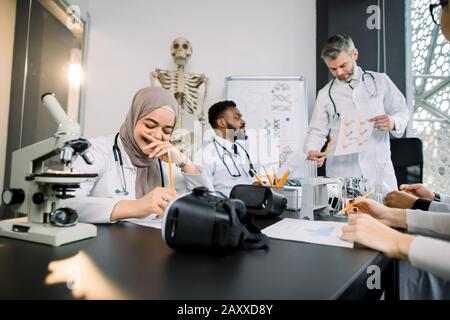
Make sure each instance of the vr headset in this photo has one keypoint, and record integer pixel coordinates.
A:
(260, 200)
(204, 219)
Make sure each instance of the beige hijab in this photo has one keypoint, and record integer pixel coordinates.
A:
(145, 101)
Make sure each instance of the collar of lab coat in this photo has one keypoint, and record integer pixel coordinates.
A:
(227, 144)
(356, 77)
(125, 158)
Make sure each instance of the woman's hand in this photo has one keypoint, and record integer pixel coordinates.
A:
(371, 233)
(153, 202)
(418, 190)
(400, 199)
(387, 216)
(159, 149)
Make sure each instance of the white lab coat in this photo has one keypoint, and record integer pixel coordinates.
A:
(210, 158)
(389, 100)
(94, 201)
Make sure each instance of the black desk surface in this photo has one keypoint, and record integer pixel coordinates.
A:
(137, 261)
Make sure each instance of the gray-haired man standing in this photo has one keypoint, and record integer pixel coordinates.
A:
(355, 90)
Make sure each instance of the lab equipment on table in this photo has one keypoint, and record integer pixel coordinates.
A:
(346, 188)
(315, 200)
(35, 190)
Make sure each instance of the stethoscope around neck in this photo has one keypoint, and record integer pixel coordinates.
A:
(230, 154)
(372, 93)
(119, 161)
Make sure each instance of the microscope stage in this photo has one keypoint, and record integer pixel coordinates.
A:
(64, 178)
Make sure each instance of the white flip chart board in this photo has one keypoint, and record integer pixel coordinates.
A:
(276, 112)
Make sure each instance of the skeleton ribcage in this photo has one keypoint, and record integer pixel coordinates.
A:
(188, 96)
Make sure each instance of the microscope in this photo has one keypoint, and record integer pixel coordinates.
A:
(35, 190)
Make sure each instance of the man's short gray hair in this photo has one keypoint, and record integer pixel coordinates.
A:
(335, 45)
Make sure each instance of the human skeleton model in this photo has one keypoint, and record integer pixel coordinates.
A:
(185, 86)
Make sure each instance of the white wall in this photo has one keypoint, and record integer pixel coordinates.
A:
(7, 24)
(129, 39)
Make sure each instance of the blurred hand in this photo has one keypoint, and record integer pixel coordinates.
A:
(383, 123)
(83, 278)
(418, 190)
(400, 199)
(371, 233)
(155, 202)
(317, 156)
(387, 216)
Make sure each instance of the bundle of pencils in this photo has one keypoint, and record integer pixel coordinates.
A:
(274, 182)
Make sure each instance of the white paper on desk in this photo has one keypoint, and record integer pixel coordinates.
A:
(354, 132)
(318, 232)
(147, 222)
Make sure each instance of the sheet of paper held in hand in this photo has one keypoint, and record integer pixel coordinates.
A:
(355, 130)
(318, 232)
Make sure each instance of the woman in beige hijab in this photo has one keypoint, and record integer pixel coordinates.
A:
(133, 174)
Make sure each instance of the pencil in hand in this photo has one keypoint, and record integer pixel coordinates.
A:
(169, 161)
(329, 144)
(351, 205)
(406, 190)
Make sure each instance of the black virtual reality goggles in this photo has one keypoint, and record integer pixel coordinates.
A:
(204, 219)
(260, 200)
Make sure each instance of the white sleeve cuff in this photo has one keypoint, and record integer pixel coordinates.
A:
(398, 130)
(435, 224)
(198, 180)
(92, 209)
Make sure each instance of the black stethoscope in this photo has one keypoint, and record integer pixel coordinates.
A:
(118, 159)
(230, 155)
(372, 93)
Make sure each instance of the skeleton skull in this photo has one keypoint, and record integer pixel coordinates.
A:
(181, 50)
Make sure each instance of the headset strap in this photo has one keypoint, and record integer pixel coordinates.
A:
(251, 240)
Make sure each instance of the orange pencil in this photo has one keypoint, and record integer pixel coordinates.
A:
(275, 180)
(351, 205)
(284, 178)
(169, 161)
(268, 176)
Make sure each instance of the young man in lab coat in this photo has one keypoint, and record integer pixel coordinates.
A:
(224, 157)
(354, 89)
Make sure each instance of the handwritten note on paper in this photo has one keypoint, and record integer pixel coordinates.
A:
(318, 232)
(354, 133)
